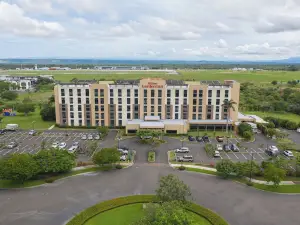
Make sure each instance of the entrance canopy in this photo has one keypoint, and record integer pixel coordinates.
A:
(145, 124)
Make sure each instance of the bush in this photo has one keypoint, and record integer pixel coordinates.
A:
(50, 180)
(244, 127)
(225, 167)
(118, 166)
(247, 135)
(181, 167)
(151, 156)
(249, 183)
(210, 149)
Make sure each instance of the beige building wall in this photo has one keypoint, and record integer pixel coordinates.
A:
(197, 87)
(235, 96)
(57, 105)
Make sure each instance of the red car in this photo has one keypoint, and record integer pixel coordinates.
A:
(220, 138)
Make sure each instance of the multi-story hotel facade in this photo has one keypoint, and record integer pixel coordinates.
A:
(173, 106)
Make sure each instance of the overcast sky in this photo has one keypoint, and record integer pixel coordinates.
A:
(150, 29)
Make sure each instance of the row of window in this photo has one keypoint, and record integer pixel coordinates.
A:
(71, 100)
(177, 93)
(78, 92)
(136, 92)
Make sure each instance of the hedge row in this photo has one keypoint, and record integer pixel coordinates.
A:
(88, 213)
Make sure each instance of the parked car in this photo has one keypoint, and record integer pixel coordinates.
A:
(182, 150)
(146, 137)
(62, 145)
(205, 139)
(55, 145)
(75, 144)
(288, 153)
(217, 154)
(90, 137)
(2, 131)
(123, 158)
(226, 147)
(234, 148)
(12, 127)
(298, 130)
(123, 151)
(220, 138)
(83, 137)
(219, 147)
(185, 158)
(73, 149)
(12, 145)
(191, 138)
(272, 150)
(97, 137)
(199, 139)
(32, 132)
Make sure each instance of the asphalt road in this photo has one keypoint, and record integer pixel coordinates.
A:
(56, 203)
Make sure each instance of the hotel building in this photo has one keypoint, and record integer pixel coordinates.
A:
(173, 106)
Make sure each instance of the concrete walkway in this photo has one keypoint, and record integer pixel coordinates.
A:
(253, 180)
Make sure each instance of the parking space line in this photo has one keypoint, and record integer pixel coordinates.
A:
(227, 155)
(235, 155)
(243, 155)
(250, 154)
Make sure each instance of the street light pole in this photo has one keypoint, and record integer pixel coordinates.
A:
(251, 167)
(33, 122)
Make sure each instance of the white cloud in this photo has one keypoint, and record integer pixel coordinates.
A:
(221, 43)
(13, 20)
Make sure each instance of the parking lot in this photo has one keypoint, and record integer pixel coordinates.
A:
(32, 144)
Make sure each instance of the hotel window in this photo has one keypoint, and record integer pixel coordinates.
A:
(176, 108)
(176, 101)
(136, 101)
(63, 107)
(159, 93)
(218, 93)
(96, 92)
(120, 108)
(96, 115)
(101, 92)
(194, 101)
(72, 115)
(209, 101)
(120, 115)
(128, 108)
(152, 108)
(102, 115)
(159, 114)
(209, 109)
(200, 93)
(96, 101)
(87, 108)
(63, 101)
(79, 108)
(168, 101)
(87, 92)
(217, 101)
(80, 115)
(80, 123)
(71, 108)
(128, 116)
(217, 108)
(168, 93)
(111, 92)
(136, 108)
(152, 101)
(209, 93)
(64, 114)
(194, 93)
(101, 100)
(152, 93)
(185, 93)
(87, 101)
(199, 116)
(200, 101)
(78, 92)
(65, 122)
(217, 116)
(96, 108)
(136, 93)
(159, 109)
(128, 101)
(152, 114)
(102, 108)
(111, 101)
(120, 101)
(145, 93)
(72, 123)
(225, 109)
(145, 101)
(70, 92)
(119, 92)
(176, 116)
(194, 117)
(176, 93)
(62, 92)
(79, 100)
(128, 92)
(159, 101)
(208, 116)
(120, 123)
(102, 123)
(185, 101)
(97, 122)
(200, 109)
(88, 123)
(136, 115)
(194, 108)
(145, 108)
(226, 93)
(112, 123)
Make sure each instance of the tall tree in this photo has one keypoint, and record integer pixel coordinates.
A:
(172, 189)
(106, 156)
(274, 174)
(228, 105)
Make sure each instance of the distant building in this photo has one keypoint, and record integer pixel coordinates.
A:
(23, 82)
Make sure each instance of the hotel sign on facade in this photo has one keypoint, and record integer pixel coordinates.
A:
(152, 85)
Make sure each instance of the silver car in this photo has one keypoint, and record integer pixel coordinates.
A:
(90, 137)
(12, 145)
(83, 137)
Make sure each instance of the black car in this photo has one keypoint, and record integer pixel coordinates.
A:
(226, 147)
(234, 148)
(205, 139)
(124, 148)
(2, 131)
(191, 138)
(199, 139)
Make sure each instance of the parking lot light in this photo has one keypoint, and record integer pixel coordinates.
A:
(119, 139)
(33, 122)
(251, 166)
(182, 140)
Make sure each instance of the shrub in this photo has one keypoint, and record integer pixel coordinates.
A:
(118, 166)
(151, 156)
(225, 167)
(249, 183)
(243, 127)
(50, 180)
(247, 135)
(210, 149)
(181, 167)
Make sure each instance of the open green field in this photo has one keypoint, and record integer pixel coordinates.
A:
(281, 115)
(128, 214)
(251, 76)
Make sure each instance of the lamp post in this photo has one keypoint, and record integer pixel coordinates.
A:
(33, 122)
(119, 139)
(251, 167)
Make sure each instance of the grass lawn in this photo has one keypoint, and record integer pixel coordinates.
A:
(201, 171)
(36, 96)
(151, 156)
(128, 214)
(25, 122)
(31, 183)
(288, 116)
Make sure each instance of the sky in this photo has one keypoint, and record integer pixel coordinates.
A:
(150, 29)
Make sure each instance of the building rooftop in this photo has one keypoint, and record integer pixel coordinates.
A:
(176, 82)
(127, 82)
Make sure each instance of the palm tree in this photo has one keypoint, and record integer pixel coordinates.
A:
(228, 105)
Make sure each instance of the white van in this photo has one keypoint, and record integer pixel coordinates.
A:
(298, 130)
(12, 127)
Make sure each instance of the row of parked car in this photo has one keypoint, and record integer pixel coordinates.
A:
(199, 139)
(63, 145)
(90, 137)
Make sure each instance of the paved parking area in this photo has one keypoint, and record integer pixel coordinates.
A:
(32, 144)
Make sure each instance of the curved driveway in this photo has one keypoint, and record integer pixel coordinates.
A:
(56, 203)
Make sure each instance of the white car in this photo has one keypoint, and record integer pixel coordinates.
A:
(12, 145)
(73, 149)
(75, 144)
(217, 154)
(182, 150)
(31, 132)
(55, 145)
(288, 153)
(273, 148)
(123, 151)
(62, 145)
(90, 137)
(219, 147)
(96, 137)
(83, 137)
(298, 130)
(123, 158)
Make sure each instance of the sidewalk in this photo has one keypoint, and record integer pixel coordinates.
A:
(253, 180)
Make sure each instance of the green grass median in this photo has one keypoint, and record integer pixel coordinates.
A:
(151, 156)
